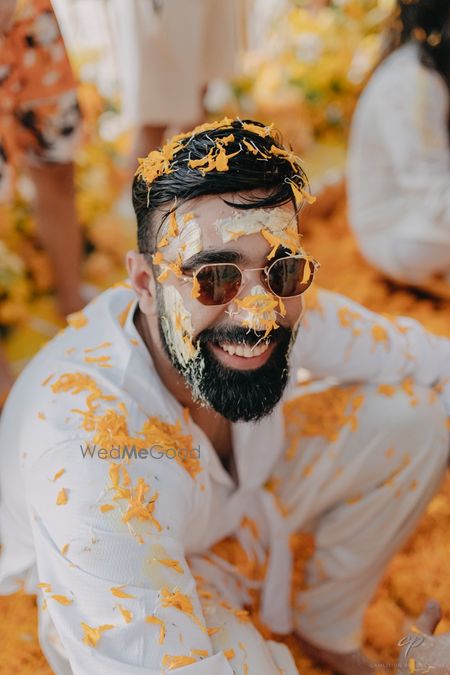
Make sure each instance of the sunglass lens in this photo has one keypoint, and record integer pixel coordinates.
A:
(218, 284)
(291, 276)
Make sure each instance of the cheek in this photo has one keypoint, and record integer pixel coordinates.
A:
(204, 316)
(178, 301)
(176, 321)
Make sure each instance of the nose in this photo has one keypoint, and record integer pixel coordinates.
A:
(256, 310)
(250, 279)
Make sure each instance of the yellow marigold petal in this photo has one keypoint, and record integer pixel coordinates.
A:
(251, 148)
(103, 345)
(158, 622)
(62, 599)
(119, 593)
(126, 480)
(64, 549)
(164, 241)
(124, 314)
(104, 508)
(173, 225)
(45, 586)
(41, 416)
(174, 564)
(77, 320)
(213, 631)
(200, 652)
(298, 196)
(174, 662)
(354, 500)
(61, 497)
(242, 615)
(58, 474)
(221, 160)
(92, 635)
(180, 601)
(163, 276)
(408, 386)
(101, 360)
(200, 163)
(260, 131)
(273, 240)
(158, 258)
(379, 333)
(229, 654)
(126, 614)
(195, 288)
(386, 389)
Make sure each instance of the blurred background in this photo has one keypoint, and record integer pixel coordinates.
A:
(68, 150)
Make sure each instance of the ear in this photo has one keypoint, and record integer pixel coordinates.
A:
(143, 281)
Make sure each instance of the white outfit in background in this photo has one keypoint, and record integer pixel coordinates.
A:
(168, 55)
(399, 169)
(359, 490)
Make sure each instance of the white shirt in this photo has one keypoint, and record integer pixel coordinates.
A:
(399, 154)
(90, 543)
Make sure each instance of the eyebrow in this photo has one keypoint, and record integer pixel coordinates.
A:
(212, 256)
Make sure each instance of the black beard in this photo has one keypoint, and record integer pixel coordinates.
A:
(237, 395)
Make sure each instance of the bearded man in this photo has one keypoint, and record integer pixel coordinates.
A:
(168, 479)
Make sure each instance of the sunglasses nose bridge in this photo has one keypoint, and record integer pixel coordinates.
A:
(259, 277)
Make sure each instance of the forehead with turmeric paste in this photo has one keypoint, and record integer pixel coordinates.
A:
(207, 223)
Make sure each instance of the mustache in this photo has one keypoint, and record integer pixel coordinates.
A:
(241, 336)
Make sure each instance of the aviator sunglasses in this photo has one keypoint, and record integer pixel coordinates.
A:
(220, 283)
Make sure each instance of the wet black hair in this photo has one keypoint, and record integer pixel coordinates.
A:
(252, 166)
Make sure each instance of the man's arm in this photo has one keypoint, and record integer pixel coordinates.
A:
(108, 538)
(340, 338)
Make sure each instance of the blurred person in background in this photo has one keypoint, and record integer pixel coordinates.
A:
(39, 127)
(168, 52)
(399, 155)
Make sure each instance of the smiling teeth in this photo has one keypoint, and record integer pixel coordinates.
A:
(244, 350)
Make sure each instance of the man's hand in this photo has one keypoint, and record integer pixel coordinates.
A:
(7, 8)
(342, 664)
(422, 652)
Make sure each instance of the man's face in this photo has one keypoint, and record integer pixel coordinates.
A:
(233, 357)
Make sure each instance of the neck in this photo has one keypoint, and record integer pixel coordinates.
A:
(214, 425)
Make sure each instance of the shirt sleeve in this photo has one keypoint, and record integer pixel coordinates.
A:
(110, 557)
(414, 130)
(341, 339)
